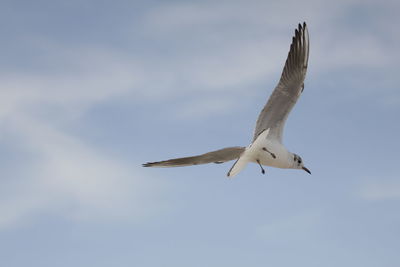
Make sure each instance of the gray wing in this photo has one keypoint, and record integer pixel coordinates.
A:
(289, 88)
(218, 156)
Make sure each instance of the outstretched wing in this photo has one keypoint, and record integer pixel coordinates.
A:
(218, 156)
(289, 88)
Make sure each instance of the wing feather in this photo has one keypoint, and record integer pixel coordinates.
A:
(218, 156)
(289, 88)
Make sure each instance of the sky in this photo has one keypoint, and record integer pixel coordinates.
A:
(90, 90)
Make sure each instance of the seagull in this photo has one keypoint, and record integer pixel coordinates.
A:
(266, 148)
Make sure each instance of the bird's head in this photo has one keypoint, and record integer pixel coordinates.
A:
(298, 163)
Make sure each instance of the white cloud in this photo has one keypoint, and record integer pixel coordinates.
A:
(186, 16)
(58, 173)
(92, 76)
(228, 48)
(66, 177)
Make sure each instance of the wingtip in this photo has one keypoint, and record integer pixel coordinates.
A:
(300, 30)
(302, 27)
(305, 28)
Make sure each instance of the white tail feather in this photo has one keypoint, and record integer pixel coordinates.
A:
(247, 155)
(238, 165)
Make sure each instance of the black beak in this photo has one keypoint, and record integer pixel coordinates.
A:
(307, 170)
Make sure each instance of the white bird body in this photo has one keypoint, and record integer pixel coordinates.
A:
(266, 148)
(260, 152)
(283, 158)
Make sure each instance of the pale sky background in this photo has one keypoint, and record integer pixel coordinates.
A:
(90, 90)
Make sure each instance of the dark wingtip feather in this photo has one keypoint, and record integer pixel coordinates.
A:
(148, 164)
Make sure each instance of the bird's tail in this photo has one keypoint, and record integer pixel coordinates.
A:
(239, 165)
(218, 156)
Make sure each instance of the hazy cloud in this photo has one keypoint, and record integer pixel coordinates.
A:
(380, 190)
(64, 176)
(203, 49)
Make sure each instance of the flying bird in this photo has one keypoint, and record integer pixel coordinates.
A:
(266, 147)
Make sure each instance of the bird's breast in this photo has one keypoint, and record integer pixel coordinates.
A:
(270, 153)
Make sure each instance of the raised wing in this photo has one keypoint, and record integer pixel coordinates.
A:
(289, 88)
(218, 156)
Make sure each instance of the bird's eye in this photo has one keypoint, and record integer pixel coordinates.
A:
(299, 161)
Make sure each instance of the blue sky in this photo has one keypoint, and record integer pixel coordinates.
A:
(90, 90)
